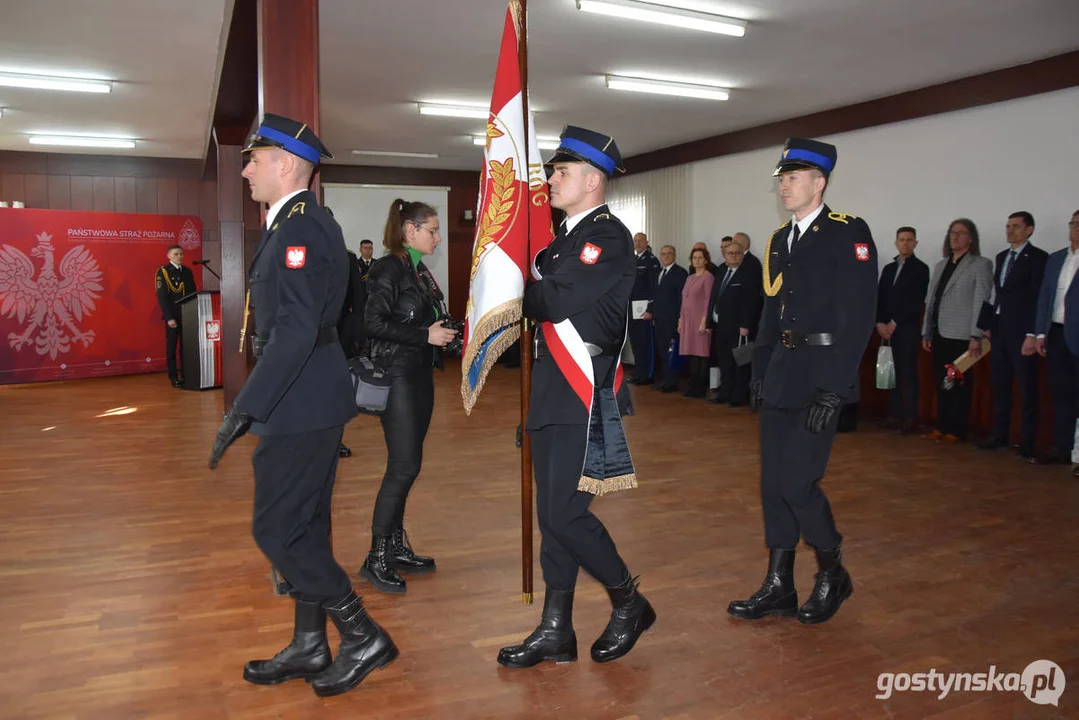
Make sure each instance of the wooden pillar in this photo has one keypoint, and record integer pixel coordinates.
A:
(288, 62)
(230, 210)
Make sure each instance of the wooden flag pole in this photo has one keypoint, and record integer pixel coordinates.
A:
(526, 349)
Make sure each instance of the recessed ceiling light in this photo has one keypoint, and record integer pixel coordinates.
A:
(82, 141)
(461, 111)
(664, 15)
(545, 143)
(394, 153)
(668, 87)
(48, 82)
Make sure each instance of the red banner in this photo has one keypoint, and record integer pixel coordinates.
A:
(77, 294)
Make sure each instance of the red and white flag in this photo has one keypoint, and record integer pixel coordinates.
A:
(513, 220)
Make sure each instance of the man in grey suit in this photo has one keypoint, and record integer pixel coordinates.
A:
(961, 283)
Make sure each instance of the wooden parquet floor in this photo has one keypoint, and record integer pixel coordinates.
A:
(131, 587)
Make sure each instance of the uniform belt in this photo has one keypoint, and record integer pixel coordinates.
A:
(539, 348)
(791, 339)
(325, 337)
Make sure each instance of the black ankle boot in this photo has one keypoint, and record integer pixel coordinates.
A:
(364, 647)
(379, 568)
(776, 595)
(307, 655)
(554, 638)
(832, 587)
(631, 615)
(404, 559)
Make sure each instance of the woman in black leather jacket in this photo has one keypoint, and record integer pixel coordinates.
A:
(403, 322)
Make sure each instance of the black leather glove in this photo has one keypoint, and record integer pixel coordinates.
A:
(236, 423)
(821, 409)
(756, 394)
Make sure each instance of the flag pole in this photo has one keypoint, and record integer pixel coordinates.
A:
(526, 349)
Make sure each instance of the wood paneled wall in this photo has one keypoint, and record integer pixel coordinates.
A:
(115, 184)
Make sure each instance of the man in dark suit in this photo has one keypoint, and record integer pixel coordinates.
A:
(580, 296)
(1057, 340)
(750, 261)
(174, 281)
(297, 399)
(664, 311)
(820, 287)
(900, 299)
(367, 250)
(1009, 324)
(733, 313)
(640, 328)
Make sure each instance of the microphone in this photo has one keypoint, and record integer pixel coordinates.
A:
(200, 262)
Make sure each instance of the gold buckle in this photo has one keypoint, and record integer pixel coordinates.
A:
(787, 338)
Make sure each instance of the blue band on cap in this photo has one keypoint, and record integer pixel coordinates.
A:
(809, 156)
(597, 156)
(291, 144)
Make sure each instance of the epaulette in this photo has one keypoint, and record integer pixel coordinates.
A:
(841, 217)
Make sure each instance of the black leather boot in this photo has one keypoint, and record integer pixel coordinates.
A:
(776, 595)
(307, 655)
(402, 556)
(554, 638)
(832, 587)
(379, 568)
(364, 647)
(631, 615)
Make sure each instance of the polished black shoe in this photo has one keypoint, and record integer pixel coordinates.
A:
(177, 383)
(631, 615)
(776, 595)
(306, 656)
(404, 559)
(1026, 451)
(379, 568)
(832, 587)
(343, 451)
(364, 647)
(554, 638)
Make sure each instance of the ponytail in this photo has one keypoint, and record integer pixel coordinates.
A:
(401, 212)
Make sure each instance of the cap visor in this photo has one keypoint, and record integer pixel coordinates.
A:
(796, 165)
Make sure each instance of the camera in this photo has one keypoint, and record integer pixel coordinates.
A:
(456, 346)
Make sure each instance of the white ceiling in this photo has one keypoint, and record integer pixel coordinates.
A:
(379, 57)
(163, 54)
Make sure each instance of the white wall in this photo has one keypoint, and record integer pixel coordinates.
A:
(982, 163)
(361, 210)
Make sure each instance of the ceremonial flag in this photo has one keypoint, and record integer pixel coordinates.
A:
(513, 219)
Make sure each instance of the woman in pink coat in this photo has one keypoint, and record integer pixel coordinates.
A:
(694, 338)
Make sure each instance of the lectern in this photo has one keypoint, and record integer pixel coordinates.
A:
(201, 314)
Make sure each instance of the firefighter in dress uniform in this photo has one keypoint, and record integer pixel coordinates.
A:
(580, 300)
(174, 281)
(298, 399)
(820, 285)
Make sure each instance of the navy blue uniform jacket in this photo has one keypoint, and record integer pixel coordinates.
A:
(827, 285)
(592, 292)
(298, 280)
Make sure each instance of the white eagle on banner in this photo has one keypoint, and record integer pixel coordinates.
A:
(49, 306)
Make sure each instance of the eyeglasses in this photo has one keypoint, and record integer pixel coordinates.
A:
(433, 231)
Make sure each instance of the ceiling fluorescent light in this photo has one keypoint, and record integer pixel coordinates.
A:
(545, 143)
(663, 15)
(80, 141)
(461, 111)
(47, 82)
(666, 87)
(394, 153)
